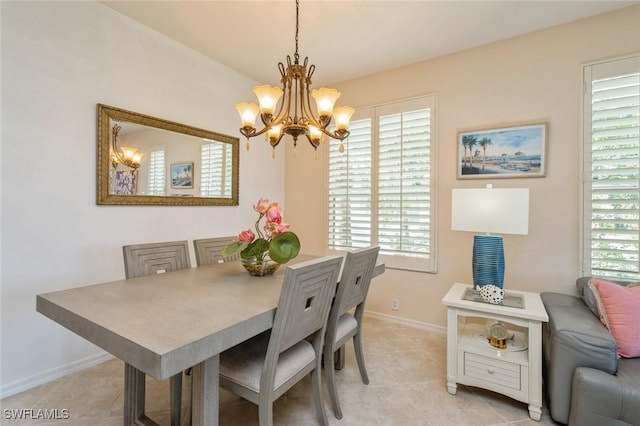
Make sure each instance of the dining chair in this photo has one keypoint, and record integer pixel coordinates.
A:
(209, 251)
(344, 322)
(156, 258)
(266, 366)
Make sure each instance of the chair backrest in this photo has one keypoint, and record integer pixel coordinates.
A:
(208, 251)
(155, 258)
(305, 300)
(354, 282)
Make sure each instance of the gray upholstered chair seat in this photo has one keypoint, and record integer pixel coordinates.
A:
(243, 364)
(347, 327)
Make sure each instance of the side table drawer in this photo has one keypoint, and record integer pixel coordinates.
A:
(492, 370)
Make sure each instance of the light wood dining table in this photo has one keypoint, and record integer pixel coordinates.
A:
(161, 325)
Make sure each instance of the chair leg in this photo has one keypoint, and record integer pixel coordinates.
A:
(317, 394)
(265, 413)
(175, 391)
(331, 381)
(340, 358)
(357, 345)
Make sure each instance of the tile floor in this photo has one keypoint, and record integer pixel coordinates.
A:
(407, 373)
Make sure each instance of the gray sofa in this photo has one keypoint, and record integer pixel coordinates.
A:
(585, 382)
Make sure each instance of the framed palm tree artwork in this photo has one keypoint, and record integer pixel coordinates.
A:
(182, 175)
(502, 152)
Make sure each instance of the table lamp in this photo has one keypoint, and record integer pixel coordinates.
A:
(489, 210)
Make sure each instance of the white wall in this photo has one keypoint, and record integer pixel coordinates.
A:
(532, 77)
(59, 59)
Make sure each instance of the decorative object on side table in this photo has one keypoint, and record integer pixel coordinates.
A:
(262, 253)
(492, 294)
(497, 334)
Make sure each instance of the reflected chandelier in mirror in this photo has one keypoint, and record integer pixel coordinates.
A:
(143, 160)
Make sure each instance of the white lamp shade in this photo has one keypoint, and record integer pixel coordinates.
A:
(490, 210)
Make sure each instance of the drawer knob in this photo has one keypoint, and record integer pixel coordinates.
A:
(490, 370)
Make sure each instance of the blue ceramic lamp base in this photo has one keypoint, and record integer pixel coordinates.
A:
(488, 261)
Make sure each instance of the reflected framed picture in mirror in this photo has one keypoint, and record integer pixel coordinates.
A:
(182, 176)
(125, 182)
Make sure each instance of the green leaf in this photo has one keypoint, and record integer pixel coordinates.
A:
(232, 248)
(257, 248)
(284, 247)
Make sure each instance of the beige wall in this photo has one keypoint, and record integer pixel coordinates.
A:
(529, 78)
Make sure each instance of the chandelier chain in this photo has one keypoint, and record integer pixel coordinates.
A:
(296, 56)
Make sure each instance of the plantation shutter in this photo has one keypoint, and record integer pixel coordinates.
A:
(404, 181)
(215, 170)
(350, 189)
(156, 185)
(611, 237)
(381, 188)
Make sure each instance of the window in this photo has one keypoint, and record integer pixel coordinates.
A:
(156, 172)
(381, 189)
(215, 170)
(611, 170)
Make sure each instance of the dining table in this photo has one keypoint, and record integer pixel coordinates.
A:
(160, 325)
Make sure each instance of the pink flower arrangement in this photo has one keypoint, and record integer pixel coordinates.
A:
(274, 239)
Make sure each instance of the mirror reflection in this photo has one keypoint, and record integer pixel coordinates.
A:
(146, 160)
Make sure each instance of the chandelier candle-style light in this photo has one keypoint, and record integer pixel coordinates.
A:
(294, 114)
(128, 156)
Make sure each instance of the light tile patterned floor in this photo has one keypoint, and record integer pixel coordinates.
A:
(407, 373)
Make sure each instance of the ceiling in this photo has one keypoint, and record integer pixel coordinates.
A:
(347, 39)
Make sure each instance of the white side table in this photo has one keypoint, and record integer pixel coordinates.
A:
(516, 371)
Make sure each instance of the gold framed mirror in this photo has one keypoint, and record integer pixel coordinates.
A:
(144, 160)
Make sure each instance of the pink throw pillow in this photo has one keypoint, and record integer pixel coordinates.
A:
(622, 315)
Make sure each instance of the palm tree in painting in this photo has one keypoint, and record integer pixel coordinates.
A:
(468, 142)
(465, 145)
(484, 142)
(473, 141)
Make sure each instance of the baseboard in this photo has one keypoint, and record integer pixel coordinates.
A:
(52, 374)
(407, 322)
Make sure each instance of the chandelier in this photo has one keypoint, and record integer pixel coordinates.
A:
(294, 115)
(125, 155)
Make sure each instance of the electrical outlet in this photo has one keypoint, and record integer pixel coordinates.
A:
(395, 305)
